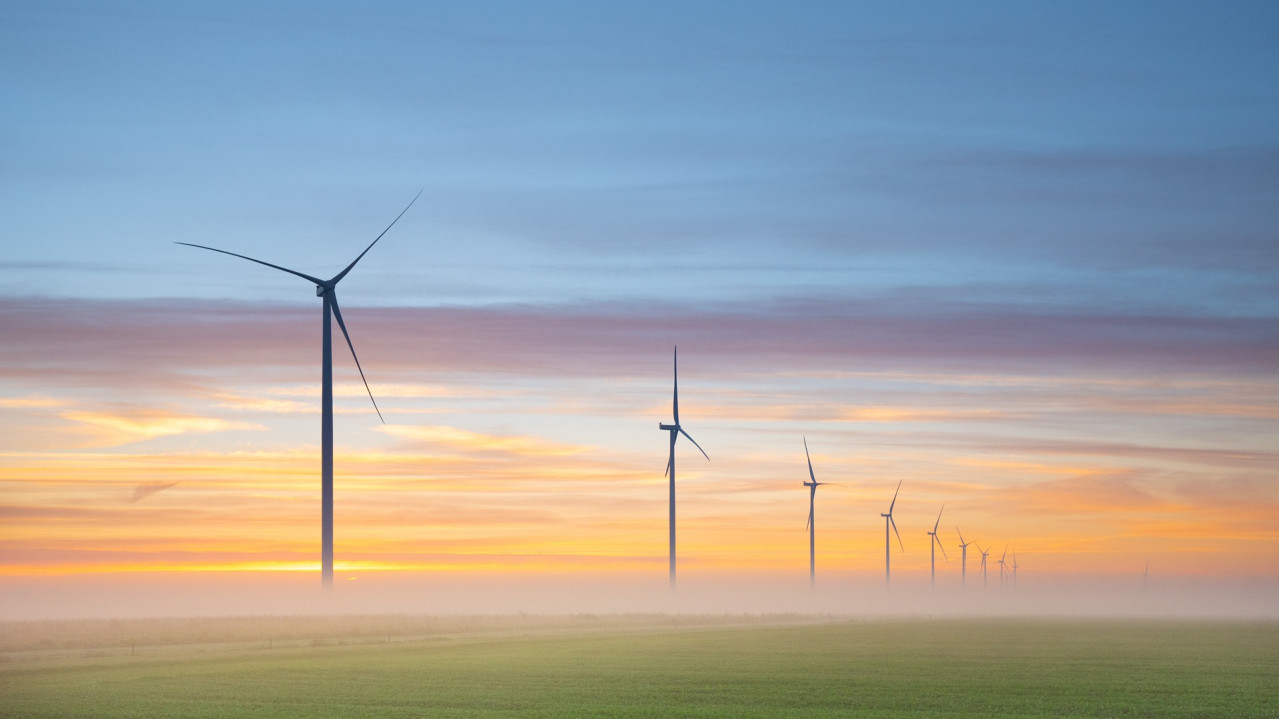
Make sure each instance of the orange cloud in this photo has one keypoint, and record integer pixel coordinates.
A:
(31, 402)
(117, 428)
(462, 440)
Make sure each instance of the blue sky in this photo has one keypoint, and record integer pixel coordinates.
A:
(1017, 152)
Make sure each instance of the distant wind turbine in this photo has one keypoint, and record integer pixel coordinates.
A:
(1014, 570)
(963, 562)
(1145, 577)
(1002, 566)
(888, 521)
(933, 544)
(811, 526)
(327, 289)
(676, 430)
(984, 553)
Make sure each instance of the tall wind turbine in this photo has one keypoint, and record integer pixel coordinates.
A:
(811, 526)
(1001, 566)
(984, 553)
(676, 430)
(888, 521)
(327, 290)
(963, 563)
(1014, 570)
(933, 544)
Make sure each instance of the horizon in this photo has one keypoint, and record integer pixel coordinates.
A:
(1019, 258)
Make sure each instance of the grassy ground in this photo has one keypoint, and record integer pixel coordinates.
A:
(952, 668)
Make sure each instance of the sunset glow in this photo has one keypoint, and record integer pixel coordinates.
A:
(1024, 265)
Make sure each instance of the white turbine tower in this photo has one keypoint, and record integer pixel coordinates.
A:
(327, 291)
(933, 544)
(1002, 566)
(676, 430)
(888, 521)
(812, 525)
(963, 562)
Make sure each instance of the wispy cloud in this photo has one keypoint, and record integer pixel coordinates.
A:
(31, 402)
(148, 343)
(268, 404)
(136, 424)
(452, 438)
(1049, 431)
(146, 489)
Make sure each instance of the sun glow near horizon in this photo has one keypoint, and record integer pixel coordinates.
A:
(564, 473)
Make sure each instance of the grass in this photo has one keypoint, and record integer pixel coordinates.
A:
(951, 668)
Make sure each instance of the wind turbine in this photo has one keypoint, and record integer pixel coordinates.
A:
(811, 526)
(1001, 566)
(963, 564)
(327, 290)
(1145, 576)
(933, 544)
(984, 553)
(1014, 570)
(676, 430)
(888, 521)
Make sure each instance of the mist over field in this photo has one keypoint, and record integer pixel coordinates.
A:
(256, 593)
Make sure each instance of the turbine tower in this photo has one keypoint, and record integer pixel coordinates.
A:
(327, 291)
(1145, 576)
(888, 521)
(1014, 570)
(984, 553)
(811, 526)
(933, 544)
(676, 430)
(1002, 566)
(963, 562)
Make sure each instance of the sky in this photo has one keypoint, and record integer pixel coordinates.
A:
(1019, 257)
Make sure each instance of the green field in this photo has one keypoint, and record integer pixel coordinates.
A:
(652, 667)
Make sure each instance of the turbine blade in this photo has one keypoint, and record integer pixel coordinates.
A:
(337, 314)
(316, 280)
(943, 509)
(962, 543)
(695, 444)
(810, 462)
(941, 546)
(809, 523)
(899, 536)
(890, 507)
(675, 401)
(342, 274)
